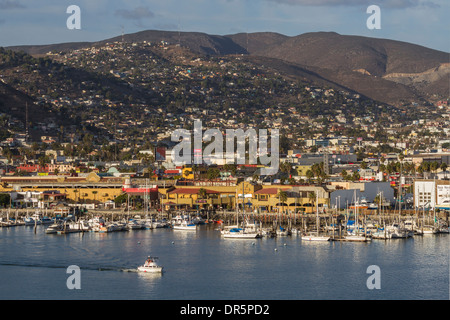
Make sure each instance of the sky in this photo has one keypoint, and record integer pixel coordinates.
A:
(35, 22)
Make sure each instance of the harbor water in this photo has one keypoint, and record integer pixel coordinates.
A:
(201, 265)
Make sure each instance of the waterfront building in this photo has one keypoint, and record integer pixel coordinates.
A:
(430, 193)
(253, 197)
(90, 187)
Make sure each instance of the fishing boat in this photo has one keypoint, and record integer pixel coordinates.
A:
(360, 204)
(151, 265)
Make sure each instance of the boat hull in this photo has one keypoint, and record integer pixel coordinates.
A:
(356, 238)
(315, 238)
(192, 228)
(240, 235)
(150, 269)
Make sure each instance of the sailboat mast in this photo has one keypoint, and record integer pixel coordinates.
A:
(317, 212)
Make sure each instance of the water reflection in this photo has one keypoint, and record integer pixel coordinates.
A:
(203, 265)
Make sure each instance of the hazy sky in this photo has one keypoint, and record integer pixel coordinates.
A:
(27, 22)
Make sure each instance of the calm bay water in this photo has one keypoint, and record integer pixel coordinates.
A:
(203, 266)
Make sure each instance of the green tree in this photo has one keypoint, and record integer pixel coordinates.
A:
(282, 197)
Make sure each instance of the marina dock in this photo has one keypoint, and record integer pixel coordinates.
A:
(334, 224)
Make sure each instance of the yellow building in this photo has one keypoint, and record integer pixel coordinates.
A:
(92, 187)
(254, 198)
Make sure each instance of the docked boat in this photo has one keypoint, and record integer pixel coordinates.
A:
(96, 224)
(381, 233)
(151, 266)
(160, 224)
(185, 225)
(357, 238)
(104, 229)
(80, 225)
(360, 204)
(135, 225)
(443, 229)
(282, 232)
(35, 219)
(429, 230)
(398, 232)
(239, 233)
(411, 226)
(315, 236)
(54, 228)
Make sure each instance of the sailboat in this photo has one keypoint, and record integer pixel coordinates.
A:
(354, 235)
(315, 236)
(235, 232)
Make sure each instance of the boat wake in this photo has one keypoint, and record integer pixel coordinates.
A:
(92, 268)
(129, 270)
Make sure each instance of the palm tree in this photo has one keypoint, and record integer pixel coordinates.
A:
(434, 166)
(444, 167)
(363, 165)
(195, 169)
(312, 197)
(344, 174)
(282, 196)
(202, 194)
(309, 175)
(95, 195)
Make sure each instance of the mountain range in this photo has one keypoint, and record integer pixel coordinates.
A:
(388, 71)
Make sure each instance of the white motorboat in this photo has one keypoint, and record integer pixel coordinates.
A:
(135, 225)
(411, 226)
(429, 230)
(53, 228)
(314, 236)
(281, 232)
(397, 232)
(35, 219)
(80, 225)
(96, 223)
(381, 234)
(239, 233)
(151, 265)
(357, 238)
(185, 225)
(443, 229)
